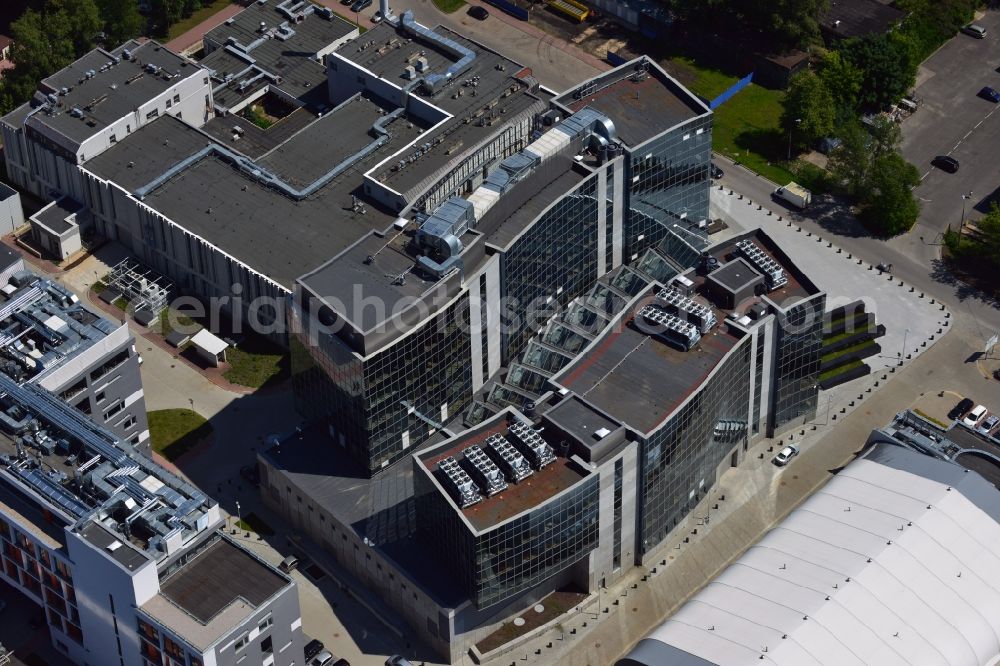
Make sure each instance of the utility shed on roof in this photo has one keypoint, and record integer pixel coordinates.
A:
(210, 347)
(894, 561)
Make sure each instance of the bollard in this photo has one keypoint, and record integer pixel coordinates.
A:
(849, 256)
(741, 197)
(809, 233)
(834, 417)
(769, 213)
(759, 207)
(911, 291)
(840, 250)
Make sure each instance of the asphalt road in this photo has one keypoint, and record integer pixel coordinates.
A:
(953, 120)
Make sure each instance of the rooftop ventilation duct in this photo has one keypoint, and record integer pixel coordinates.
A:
(434, 82)
(440, 233)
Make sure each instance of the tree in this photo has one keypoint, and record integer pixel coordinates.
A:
(808, 109)
(165, 13)
(122, 21)
(77, 22)
(44, 42)
(842, 79)
(891, 208)
(850, 162)
(886, 66)
(780, 24)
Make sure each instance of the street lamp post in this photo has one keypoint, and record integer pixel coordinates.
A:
(903, 350)
(961, 223)
(239, 518)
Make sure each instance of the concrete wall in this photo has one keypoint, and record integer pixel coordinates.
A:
(194, 103)
(48, 163)
(362, 562)
(74, 380)
(602, 570)
(196, 266)
(11, 214)
(285, 632)
(108, 595)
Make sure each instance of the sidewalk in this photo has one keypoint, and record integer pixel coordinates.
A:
(193, 36)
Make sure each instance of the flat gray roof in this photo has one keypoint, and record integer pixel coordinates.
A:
(639, 379)
(736, 274)
(290, 55)
(314, 32)
(53, 216)
(124, 553)
(271, 233)
(517, 209)
(640, 109)
(386, 51)
(110, 94)
(218, 576)
(580, 419)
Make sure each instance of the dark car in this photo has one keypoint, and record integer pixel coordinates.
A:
(313, 648)
(250, 474)
(945, 163)
(478, 13)
(964, 405)
(717, 173)
(990, 94)
(361, 5)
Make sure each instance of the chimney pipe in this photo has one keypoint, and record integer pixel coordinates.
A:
(383, 6)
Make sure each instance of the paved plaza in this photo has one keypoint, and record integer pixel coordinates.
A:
(911, 318)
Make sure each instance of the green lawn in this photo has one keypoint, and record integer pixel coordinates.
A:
(747, 129)
(174, 432)
(847, 350)
(253, 523)
(255, 363)
(210, 7)
(833, 372)
(449, 6)
(181, 320)
(706, 82)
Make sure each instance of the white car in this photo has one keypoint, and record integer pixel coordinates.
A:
(324, 658)
(786, 454)
(975, 416)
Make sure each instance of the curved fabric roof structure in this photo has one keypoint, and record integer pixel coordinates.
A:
(895, 561)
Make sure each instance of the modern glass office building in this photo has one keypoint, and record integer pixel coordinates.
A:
(383, 402)
(503, 546)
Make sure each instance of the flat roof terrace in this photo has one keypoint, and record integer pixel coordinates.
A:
(639, 379)
(533, 491)
(640, 107)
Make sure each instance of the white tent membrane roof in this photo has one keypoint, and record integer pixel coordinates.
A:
(210, 342)
(895, 561)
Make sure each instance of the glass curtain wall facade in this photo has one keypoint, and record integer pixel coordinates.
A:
(667, 183)
(380, 406)
(678, 461)
(517, 555)
(796, 373)
(558, 251)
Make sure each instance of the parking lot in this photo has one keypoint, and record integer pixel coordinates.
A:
(953, 120)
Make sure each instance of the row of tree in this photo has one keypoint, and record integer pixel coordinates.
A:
(60, 31)
(867, 75)
(779, 23)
